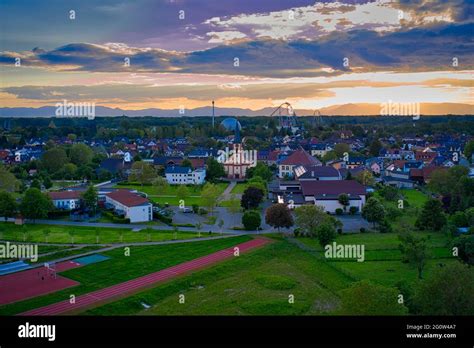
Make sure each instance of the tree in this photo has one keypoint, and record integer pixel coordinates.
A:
(375, 147)
(36, 184)
(341, 148)
(309, 217)
(182, 192)
(251, 220)
(215, 170)
(469, 150)
(278, 215)
(46, 233)
(251, 198)
(220, 224)
(54, 160)
(326, 233)
(261, 170)
(8, 182)
(8, 206)
(259, 183)
(367, 298)
(90, 199)
(160, 183)
(233, 206)
(431, 216)
(210, 195)
(35, 205)
(186, 163)
(69, 171)
(447, 292)
(47, 182)
(143, 173)
(81, 154)
(343, 200)
(373, 211)
(365, 178)
(465, 247)
(414, 251)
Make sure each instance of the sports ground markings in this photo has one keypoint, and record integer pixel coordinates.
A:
(127, 288)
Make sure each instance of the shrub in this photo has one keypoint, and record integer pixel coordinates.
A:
(251, 220)
(353, 210)
(339, 230)
(166, 219)
(339, 211)
(195, 208)
(202, 211)
(362, 230)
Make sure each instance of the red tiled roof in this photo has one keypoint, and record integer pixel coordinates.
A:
(197, 162)
(65, 195)
(429, 156)
(332, 187)
(300, 157)
(127, 198)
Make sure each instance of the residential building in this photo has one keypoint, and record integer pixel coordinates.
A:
(130, 205)
(185, 176)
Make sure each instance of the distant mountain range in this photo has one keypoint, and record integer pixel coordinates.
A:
(335, 110)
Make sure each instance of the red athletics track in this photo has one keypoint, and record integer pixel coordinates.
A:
(34, 282)
(134, 285)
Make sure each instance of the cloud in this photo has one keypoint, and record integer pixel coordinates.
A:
(428, 48)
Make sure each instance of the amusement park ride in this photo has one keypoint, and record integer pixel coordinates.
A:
(286, 117)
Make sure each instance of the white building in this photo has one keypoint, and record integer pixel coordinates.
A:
(176, 175)
(66, 200)
(131, 205)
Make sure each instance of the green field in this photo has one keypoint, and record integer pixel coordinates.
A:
(85, 235)
(260, 282)
(119, 268)
(382, 262)
(257, 283)
(239, 188)
(168, 194)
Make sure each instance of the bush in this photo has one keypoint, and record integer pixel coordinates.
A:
(339, 211)
(362, 230)
(385, 226)
(195, 208)
(326, 233)
(339, 230)
(166, 219)
(251, 220)
(353, 210)
(202, 211)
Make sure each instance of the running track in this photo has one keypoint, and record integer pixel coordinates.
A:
(137, 284)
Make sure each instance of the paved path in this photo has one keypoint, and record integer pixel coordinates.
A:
(226, 195)
(113, 292)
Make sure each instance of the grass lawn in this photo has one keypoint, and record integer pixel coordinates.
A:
(257, 283)
(168, 195)
(85, 235)
(383, 258)
(415, 198)
(119, 268)
(239, 188)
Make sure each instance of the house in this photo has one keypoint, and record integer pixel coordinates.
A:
(185, 176)
(319, 150)
(326, 193)
(66, 200)
(114, 166)
(354, 162)
(297, 158)
(309, 173)
(131, 205)
(375, 165)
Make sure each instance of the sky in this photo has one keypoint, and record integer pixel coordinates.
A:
(172, 54)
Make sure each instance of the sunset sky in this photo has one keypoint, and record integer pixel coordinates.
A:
(243, 54)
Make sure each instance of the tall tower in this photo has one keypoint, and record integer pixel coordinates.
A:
(213, 114)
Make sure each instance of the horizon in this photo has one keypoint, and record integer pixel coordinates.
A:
(173, 55)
